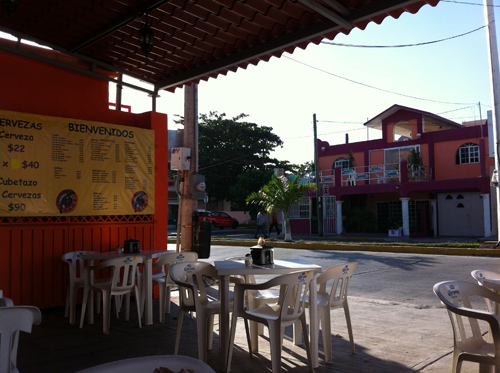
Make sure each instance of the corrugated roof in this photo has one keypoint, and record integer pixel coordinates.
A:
(194, 40)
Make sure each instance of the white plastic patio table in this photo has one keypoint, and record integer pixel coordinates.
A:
(227, 268)
(147, 291)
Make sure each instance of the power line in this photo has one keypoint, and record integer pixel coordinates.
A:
(402, 45)
(462, 108)
(467, 3)
(326, 133)
(336, 121)
(379, 89)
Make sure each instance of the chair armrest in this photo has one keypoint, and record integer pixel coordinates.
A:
(492, 319)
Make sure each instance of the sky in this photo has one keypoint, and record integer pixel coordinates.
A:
(346, 86)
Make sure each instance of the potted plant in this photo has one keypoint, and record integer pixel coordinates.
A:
(414, 163)
(395, 229)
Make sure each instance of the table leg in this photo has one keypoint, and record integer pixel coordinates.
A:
(147, 291)
(224, 318)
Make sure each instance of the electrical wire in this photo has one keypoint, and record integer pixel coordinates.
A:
(402, 45)
(467, 3)
(378, 89)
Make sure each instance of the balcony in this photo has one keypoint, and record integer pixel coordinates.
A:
(373, 174)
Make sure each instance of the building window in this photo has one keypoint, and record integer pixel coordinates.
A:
(300, 210)
(341, 162)
(468, 153)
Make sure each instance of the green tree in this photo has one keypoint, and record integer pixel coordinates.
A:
(228, 148)
(281, 193)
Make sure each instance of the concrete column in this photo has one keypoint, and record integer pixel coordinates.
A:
(434, 221)
(338, 216)
(406, 216)
(486, 214)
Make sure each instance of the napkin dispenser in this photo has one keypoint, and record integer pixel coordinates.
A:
(132, 246)
(262, 254)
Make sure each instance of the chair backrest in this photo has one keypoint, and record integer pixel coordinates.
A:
(123, 271)
(462, 301)
(482, 275)
(12, 320)
(163, 263)
(193, 278)
(6, 302)
(488, 279)
(335, 282)
(292, 294)
(75, 263)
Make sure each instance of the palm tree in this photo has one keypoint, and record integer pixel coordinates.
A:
(281, 193)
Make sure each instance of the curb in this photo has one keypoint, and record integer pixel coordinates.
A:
(308, 245)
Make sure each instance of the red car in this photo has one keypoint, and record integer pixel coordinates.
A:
(218, 219)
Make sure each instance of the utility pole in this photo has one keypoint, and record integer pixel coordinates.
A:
(489, 16)
(187, 204)
(319, 201)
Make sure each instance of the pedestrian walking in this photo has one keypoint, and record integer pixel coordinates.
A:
(260, 225)
(274, 223)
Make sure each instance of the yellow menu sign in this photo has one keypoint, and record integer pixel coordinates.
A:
(57, 166)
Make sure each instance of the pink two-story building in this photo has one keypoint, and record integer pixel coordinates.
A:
(426, 176)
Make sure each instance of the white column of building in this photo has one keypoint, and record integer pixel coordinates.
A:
(434, 216)
(486, 214)
(406, 216)
(338, 217)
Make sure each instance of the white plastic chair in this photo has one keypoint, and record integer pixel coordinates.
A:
(76, 280)
(469, 344)
(121, 281)
(193, 279)
(255, 299)
(332, 293)
(6, 302)
(160, 276)
(289, 308)
(490, 280)
(14, 319)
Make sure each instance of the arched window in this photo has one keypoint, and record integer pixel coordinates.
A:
(341, 162)
(468, 153)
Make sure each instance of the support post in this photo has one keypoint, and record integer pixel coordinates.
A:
(119, 89)
(434, 216)
(319, 202)
(190, 140)
(489, 16)
(338, 217)
(406, 216)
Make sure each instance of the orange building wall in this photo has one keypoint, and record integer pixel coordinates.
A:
(31, 270)
(445, 164)
(376, 157)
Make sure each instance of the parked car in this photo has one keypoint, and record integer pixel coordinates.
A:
(218, 219)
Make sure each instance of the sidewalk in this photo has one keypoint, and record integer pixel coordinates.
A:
(389, 338)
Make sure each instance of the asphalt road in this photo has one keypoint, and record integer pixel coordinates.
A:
(395, 277)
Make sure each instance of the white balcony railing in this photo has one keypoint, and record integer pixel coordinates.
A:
(374, 174)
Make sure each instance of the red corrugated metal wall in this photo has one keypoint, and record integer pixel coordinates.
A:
(31, 270)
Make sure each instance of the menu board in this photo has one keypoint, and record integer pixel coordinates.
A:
(58, 166)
